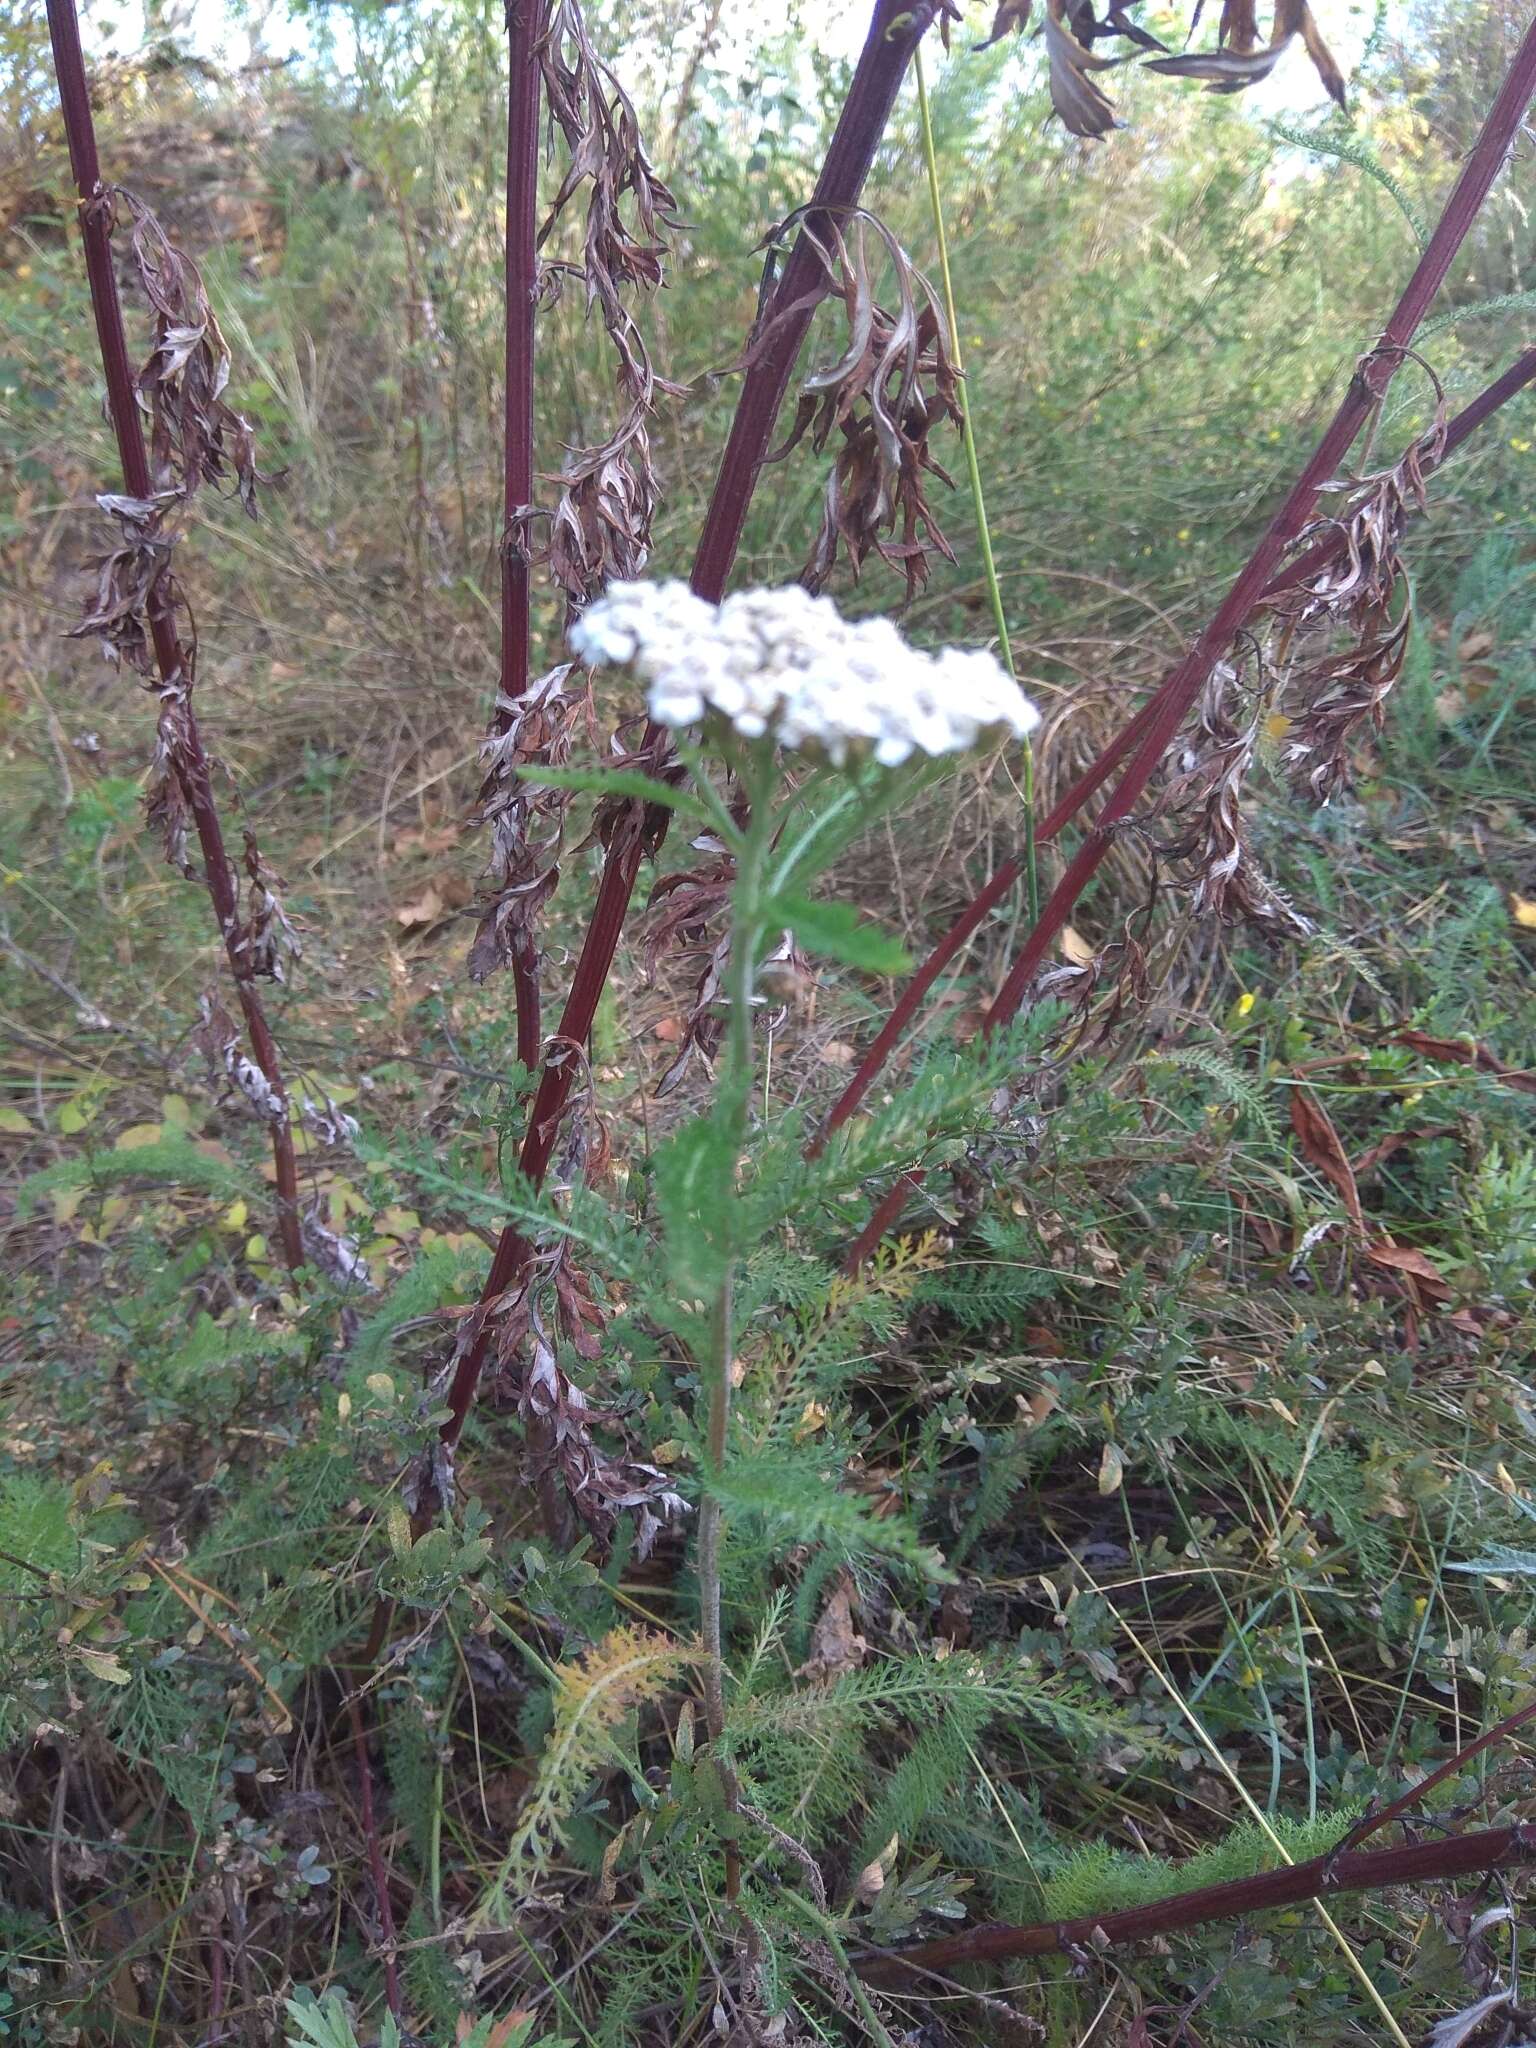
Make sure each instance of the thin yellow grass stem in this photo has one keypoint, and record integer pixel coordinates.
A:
(973, 471)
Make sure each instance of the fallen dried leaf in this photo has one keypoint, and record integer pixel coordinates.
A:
(836, 1646)
(440, 896)
(1465, 1052)
(1322, 1148)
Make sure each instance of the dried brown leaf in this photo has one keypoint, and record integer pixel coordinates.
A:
(893, 383)
(1322, 1147)
(1011, 18)
(1080, 102)
(836, 1645)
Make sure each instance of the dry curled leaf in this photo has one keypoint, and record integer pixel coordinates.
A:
(1080, 102)
(1322, 1147)
(1011, 18)
(1239, 60)
(1467, 1052)
(836, 1646)
(439, 898)
(894, 382)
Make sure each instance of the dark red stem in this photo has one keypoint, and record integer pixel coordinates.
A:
(894, 34)
(192, 772)
(1169, 708)
(377, 1870)
(1514, 380)
(525, 26)
(1415, 1863)
(1521, 372)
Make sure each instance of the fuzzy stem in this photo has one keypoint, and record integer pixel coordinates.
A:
(1415, 1863)
(1167, 712)
(973, 472)
(193, 773)
(894, 34)
(732, 1106)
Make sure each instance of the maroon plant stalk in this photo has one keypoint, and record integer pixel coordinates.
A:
(1370, 381)
(1415, 1863)
(525, 24)
(893, 36)
(122, 405)
(377, 1872)
(1521, 373)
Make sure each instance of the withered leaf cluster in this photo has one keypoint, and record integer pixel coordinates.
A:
(1363, 591)
(137, 608)
(1206, 795)
(601, 527)
(268, 939)
(602, 524)
(1241, 56)
(196, 437)
(527, 822)
(685, 913)
(894, 382)
(218, 1039)
(134, 584)
(549, 1313)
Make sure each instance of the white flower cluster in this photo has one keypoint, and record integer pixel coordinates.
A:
(786, 663)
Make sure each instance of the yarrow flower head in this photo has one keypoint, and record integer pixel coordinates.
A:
(786, 664)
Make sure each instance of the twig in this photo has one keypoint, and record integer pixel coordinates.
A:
(1414, 1863)
(377, 1869)
(525, 25)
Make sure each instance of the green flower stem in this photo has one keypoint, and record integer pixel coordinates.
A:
(759, 777)
(973, 470)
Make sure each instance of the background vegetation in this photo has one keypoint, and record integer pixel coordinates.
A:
(1227, 1520)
